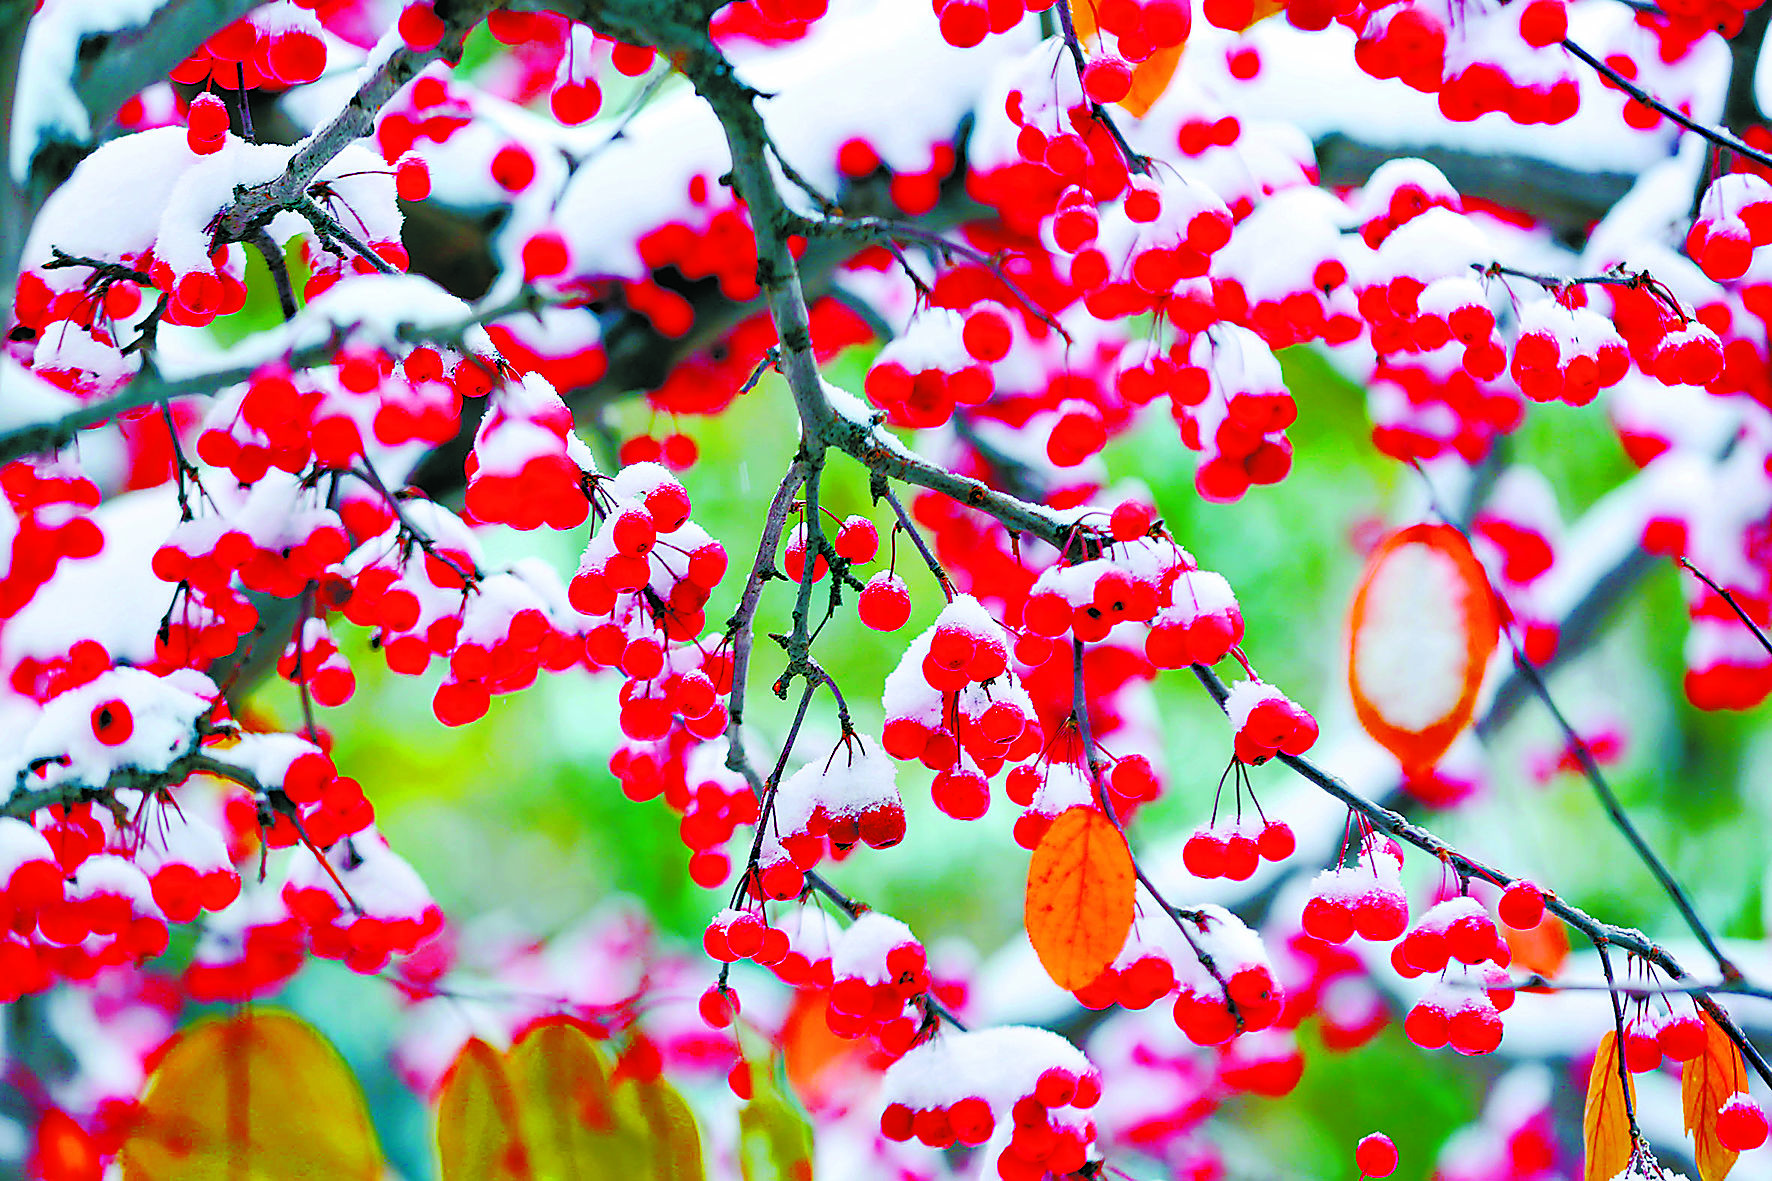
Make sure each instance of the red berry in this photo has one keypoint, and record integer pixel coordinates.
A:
(1376, 1156)
(1682, 1038)
(857, 541)
(987, 336)
(1107, 79)
(112, 723)
(1241, 857)
(545, 254)
(1521, 906)
(1741, 1124)
(718, 1005)
(1328, 919)
(420, 27)
(1130, 520)
(513, 168)
(1203, 854)
(1276, 842)
(1642, 1052)
(575, 102)
(208, 117)
(962, 793)
(412, 178)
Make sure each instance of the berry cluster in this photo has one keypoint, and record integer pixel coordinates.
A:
(848, 798)
(276, 46)
(1267, 722)
(1234, 850)
(954, 704)
(934, 365)
(1365, 898)
(958, 1088)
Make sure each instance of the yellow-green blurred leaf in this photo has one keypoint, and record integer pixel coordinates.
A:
(478, 1136)
(256, 1097)
(775, 1142)
(676, 1142)
(550, 1110)
(569, 1117)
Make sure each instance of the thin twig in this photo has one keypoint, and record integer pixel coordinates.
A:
(1722, 137)
(1624, 1083)
(1733, 605)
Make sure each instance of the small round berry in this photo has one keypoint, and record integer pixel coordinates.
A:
(1107, 79)
(1741, 1124)
(718, 1005)
(1276, 842)
(420, 27)
(112, 723)
(1130, 520)
(1203, 854)
(857, 540)
(1682, 1037)
(1521, 906)
(1376, 1156)
(513, 168)
(885, 603)
(1642, 1051)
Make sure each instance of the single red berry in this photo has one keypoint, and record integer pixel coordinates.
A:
(1376, 1156)
(987, 336)
(858, 541)
(412, 178)
(718, 1005)
(1741, 1124)
(420, 27)
(545, 254)
(208, 117)
(576, 102)
(1682, 1037)
(1521, 906)
(1642, 1052)
(1107, 79)
(112, 723)
(1130, 520)
(1203, 854)
(1276, 842)
(513, 168)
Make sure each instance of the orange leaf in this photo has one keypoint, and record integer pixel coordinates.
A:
(1421, 631)
(1079, 901)
(1541, 949)
(1150, 78)
(1605, 1128)
(1082, 18)
(820, 1065)
(1706, 1083)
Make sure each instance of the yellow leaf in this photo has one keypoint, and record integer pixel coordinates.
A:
(256, 1097)
(1605, 1128)
(1150, 78)
(1079, 898)
(478, 1136)
(1706, 1083)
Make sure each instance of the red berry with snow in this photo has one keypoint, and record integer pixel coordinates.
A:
(1376, 1155)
